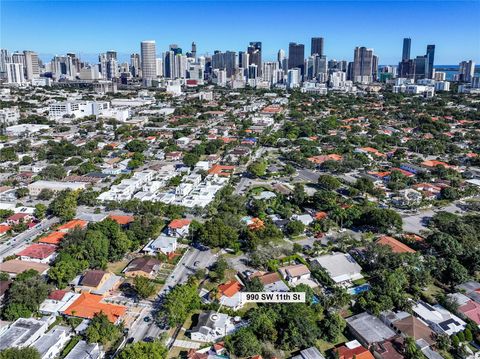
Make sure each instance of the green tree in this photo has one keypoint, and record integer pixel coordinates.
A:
(46, 194)
(411, 349)
(22, 192)
(294, 228)
(144, 286)
(254, 285)
(53, 172)
(468, 335)
(190, 159)
(137, 160)
(101, 330)
(179, 302)
(329, 182)
(217, 273)
(136, 146)
(243, 343)
(142, 350)
(364, 185)
(382, 219)
(332, 327)
(8, 154)
(64, 205)
(258, 168)
(215, 233)
(40, 211)
(20, 353)
(24, 296)
(455, 341)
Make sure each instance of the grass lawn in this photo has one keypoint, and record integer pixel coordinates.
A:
(176, 353)
(326, 346)
(117, 267)
(432, 291)
(445, 354)
(360, 281)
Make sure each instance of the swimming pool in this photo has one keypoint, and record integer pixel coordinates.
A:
(360, 289)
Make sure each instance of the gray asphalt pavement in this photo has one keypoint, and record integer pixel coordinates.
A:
(17, 243)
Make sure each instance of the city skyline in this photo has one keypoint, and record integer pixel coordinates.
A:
(340, 40)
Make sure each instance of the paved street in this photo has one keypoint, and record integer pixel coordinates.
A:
(417, 222)
(191, 261)
(16, 244)
(307, 175)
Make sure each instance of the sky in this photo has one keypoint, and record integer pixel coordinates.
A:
(90, 27)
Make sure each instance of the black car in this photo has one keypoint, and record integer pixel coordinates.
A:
(148, 339)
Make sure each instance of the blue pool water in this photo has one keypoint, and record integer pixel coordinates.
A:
(360, 289)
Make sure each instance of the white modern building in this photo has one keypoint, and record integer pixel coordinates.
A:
(341, 267)
(76, 109)
(56, 186)
(212, 326)
(9, 116)
(438, 318)
(148, 61)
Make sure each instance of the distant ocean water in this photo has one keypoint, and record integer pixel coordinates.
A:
(452, 70)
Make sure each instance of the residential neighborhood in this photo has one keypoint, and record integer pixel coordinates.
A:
(221, 206)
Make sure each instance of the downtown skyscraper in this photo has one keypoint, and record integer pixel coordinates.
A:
(317, 46)
(296, 56)
(407, 44)
(255, 54)
(363, 65)
(148, 60)
(430, 59)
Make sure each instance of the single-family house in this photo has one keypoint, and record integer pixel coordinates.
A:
(368, 329)
(229, 294)
(272, 282)
(38, 252)
(353, 349)
(143, 266)
(295, 273)
(212, 326)
(57, 301)
(438, 318)
(83, 350)
(24, 332)
(96, 281)
(164, 244)
(341, 267)
(309, 353)
(395, 245)
(466, 306)
(16, 266)
(179, 227)
(50, 344)
(87, 305)
(17, 218)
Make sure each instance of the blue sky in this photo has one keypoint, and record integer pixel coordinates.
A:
(90, 27)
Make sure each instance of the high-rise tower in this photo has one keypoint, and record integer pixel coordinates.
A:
(148, 60)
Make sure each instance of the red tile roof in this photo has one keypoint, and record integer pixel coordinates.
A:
(122, 220)
(223, 171)
(4, 228)
(358, 352)
(52, 238)
(179, 223)
(57, 294)
(18, 216)
(472, 310)
(87, 305)
(37, 251)
(72, 224)
(396, 246)
(230, 288)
